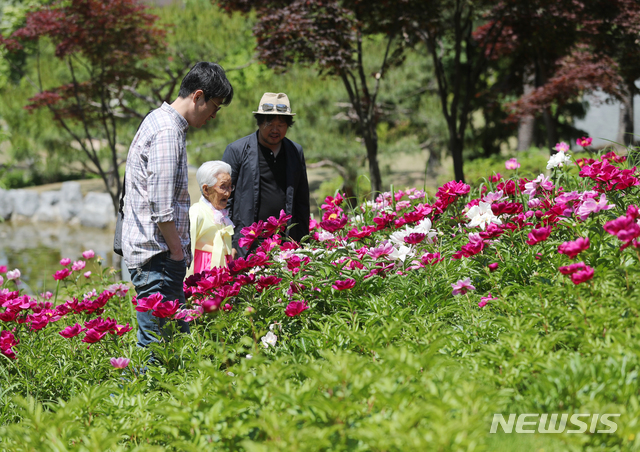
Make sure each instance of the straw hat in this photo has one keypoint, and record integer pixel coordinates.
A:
(274, 104)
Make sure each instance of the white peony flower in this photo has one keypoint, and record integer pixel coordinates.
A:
(559, 159)
(269, 339)
(325, 235)
(401, 253)
(481, 215)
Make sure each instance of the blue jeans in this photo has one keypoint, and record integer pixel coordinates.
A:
(159, 275)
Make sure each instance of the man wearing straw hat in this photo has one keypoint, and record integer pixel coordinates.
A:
(269, 172)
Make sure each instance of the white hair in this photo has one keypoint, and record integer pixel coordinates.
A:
(208, 172)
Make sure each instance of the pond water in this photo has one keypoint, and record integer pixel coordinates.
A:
(36, 250)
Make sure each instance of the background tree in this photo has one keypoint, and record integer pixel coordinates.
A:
(104, 45)
(330, 36)
(564, 48)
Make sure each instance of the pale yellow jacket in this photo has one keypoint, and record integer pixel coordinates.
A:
(211, 231)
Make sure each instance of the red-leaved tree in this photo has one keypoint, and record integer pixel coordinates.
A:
(329, 35)
(104, 44)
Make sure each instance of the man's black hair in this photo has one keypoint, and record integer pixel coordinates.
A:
(260, 118)
(211, 79)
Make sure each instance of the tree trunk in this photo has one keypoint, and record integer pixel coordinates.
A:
(526, 127)
(371, 142)
(456, 146)
(625, 123)
(552, 130)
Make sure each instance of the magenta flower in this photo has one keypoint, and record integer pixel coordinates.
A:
(573, 268)
(227, 307)
(13, 275)
(121, 329)
(61, 274)
(72, 331)
(211, 304)
(250, 234)
(148, 303)
(93, 336)
(539, 235)
(166, 309)
(296, 308)
(431, 258)
(512, 164)
(87, 274)
(64, 262)
(582, 275)
(462, 286)
(484, 300)
(78, 265)
(493, 267)
(562, 147)
(414, 238)
(344, 285)
(267, 281)
(120, 363)
(383, 250)
(572, 249)
(88, 254)
(3, 268)
(584, 142)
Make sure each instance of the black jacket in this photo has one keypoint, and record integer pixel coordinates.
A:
(242, 155)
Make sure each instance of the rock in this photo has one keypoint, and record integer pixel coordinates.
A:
(70, 201)
(97, 210)
(25, 202)
(48, 211)
(6, 204)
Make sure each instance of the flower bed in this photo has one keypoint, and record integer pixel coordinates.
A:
(401, 324)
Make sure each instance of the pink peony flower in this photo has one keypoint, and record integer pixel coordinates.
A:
(572, 249)
(431, 258)
(120, 363)
(13, 275)
(211, 304)
(121, 329)
(414, 238)
(584, 142)
(87, 275)
(462, 286)
(72, 331)
(3, 268)
(1, 280)
(493, 267)
(88, 254)
(61, 274)
(344, 285)
(512, 164)
(64, 262)
(539, 235)
(148, 303)
(296, 308)
(573, 268)
(78, 265)
(227, 307)
(582, 275)
(562, 147)
(166, 309)
(92, 336)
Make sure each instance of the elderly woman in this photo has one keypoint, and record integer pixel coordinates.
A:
(211, 228)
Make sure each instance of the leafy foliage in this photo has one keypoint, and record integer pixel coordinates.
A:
(387, 357)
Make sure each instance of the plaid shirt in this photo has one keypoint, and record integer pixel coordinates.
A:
(156, 187)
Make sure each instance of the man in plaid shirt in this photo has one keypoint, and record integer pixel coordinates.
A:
(155, 231)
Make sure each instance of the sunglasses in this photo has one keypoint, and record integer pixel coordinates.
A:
(278, 107)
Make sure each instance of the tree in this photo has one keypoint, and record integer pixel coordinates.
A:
(330, 35)
(104, 44)
(568, 48)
